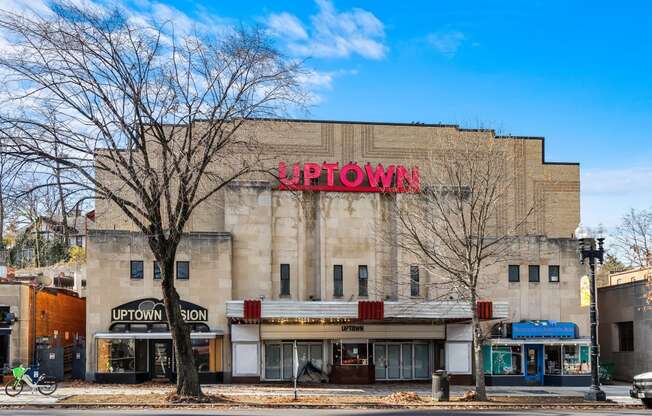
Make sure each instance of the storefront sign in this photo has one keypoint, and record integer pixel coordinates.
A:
(153, 310)
(352, 328)
(350, 178)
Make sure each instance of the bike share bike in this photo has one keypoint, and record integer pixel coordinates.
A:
(25, 376)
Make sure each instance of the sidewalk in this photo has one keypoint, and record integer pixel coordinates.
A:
(616, 393)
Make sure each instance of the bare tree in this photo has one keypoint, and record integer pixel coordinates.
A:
(146, 119)
(451, 228)
(634, 241)
(9, 172)
(634, 237)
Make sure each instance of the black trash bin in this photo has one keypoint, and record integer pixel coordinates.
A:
(440, 386)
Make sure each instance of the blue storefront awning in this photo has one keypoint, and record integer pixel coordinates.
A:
(544, 329)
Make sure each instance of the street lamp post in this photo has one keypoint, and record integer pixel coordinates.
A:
(589, 251)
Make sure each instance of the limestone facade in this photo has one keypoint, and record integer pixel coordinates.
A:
(237, 242)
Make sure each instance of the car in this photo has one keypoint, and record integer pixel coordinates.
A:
(642, 389)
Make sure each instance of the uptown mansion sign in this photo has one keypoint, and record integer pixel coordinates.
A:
(153, 310)
(348, 178)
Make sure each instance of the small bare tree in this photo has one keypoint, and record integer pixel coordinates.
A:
(451, 228)
(147, 120)
(634, 241)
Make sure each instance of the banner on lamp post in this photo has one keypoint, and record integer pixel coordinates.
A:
(585, 291)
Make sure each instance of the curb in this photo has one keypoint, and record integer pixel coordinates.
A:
(424, 406)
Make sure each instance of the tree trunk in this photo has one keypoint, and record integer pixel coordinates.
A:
(62, 204)
(187, 375)
(478, 364)
(2, 219)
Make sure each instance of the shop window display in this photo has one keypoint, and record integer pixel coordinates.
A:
(121, 355)
(576, 360)
(350, 354)
(553, 360)
(507, 360)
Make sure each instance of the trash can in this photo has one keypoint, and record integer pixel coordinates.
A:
(440, 386)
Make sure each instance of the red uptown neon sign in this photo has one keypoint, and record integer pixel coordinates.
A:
(350, 178)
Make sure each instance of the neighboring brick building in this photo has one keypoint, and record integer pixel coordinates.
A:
(261, 268)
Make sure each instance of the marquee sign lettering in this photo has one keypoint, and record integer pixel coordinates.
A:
(352, 328)
(349, 178)
(153, 310)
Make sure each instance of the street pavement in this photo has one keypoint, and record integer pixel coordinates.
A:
(618, 392)
(298, 412)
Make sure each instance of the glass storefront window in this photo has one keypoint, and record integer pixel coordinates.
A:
(121, 355)
(421, 361)
(354, 354)
(507, 360)
(279, 358)
(288, 352)
(201, 353)
(350, 353)
(553, 360)
(273, 361)
(316, 354)
(576, 360)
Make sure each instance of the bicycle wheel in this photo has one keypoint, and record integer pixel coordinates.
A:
(13, 388)
(47, 387)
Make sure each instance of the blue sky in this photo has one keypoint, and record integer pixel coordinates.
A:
(577, 72)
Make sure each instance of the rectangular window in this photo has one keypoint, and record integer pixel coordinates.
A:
(533, 274)
(338, 281)
(414, 280)
(136, 271)
(122, 355)
(273, 361)
(285, 280)
(625, 336)
(514, 274)
(363, 278)
(157, 270)
(576, 359)
(553, 274)
(506, 360)
(349, 353)
(553, 360)
(183, 270)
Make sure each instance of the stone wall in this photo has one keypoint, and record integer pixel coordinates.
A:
(109, 283)
(625, 303)
(553, 188)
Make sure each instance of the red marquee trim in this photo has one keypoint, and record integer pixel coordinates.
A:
(485, 309)
(252, 309)
(371, 310)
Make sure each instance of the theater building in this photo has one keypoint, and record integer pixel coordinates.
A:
(261, 269)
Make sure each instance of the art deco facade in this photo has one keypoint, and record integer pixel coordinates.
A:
(266, 267)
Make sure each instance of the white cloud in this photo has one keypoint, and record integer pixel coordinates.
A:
(286, 25)
(314, 78)
(331, 34)
(447, 43)
(607, 194)
(617, 181)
